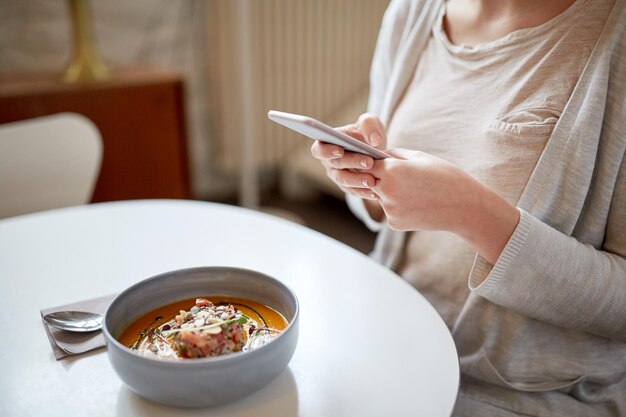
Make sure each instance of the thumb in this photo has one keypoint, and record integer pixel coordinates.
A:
(401, 153)
(352, 130)
(378, 169)
(373, 130)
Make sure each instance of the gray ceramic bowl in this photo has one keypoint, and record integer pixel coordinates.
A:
(209, 381)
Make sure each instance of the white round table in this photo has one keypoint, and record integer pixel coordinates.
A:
(369, 345)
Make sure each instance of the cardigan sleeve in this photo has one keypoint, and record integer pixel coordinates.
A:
(392, 31)
(390, 35)
(357, 206)
(550, 276)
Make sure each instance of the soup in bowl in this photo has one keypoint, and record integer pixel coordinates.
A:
(211, 326)
(201, 337)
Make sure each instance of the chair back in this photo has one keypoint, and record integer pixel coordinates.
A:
(48, 162)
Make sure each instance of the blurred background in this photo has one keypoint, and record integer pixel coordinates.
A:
(181, 94)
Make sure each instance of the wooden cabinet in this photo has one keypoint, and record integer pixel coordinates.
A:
(140, 115)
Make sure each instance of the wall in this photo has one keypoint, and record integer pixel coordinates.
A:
(309, 56)
(35, 37)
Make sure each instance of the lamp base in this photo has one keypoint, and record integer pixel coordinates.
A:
(85, 69)
(86, 64)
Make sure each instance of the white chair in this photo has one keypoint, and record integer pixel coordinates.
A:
(48, 162)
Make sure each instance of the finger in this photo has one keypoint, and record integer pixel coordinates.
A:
(321, 150)
(345, 178)
(372, 129)
(351, 130)
(352, 160)
(364, 193)
(401, 153)
(379, 167)
(350, 126)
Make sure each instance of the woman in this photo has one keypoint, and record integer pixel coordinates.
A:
(506, 206)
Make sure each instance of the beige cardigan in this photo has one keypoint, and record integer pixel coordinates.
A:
(543, 331)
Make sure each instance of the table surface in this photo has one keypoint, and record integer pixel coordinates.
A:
(369, 344)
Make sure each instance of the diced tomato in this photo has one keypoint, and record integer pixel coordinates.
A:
(203, 302)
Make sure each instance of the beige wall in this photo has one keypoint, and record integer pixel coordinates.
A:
(35, 37)
(324, 64)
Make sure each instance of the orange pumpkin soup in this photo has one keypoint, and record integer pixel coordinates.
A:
(203, 327)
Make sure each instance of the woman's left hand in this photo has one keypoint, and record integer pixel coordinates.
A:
(423, 192)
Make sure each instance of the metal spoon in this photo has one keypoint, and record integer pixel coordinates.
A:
(74, 321)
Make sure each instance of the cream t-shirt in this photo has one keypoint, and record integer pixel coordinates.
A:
(489, 109)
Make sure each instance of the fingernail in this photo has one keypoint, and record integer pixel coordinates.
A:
(336, 152)
(375, 139)
(363, 163)
(364, 182)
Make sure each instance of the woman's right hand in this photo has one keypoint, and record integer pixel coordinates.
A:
(349, 169)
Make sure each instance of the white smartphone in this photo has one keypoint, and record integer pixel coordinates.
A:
(324, 133)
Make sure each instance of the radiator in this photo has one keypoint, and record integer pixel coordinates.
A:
(300, 56)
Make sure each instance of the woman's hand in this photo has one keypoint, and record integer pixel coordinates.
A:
(349, 169)
(345, 168)
(423, 192)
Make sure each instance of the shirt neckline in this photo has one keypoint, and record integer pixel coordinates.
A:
(512, 39)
